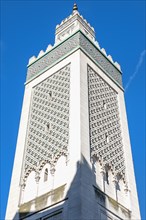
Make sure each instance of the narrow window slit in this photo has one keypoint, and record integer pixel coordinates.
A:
(107, 138)
(50, 95)
(46, 175)
(104, 105)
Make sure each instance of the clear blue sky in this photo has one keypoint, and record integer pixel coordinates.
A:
(29, 26)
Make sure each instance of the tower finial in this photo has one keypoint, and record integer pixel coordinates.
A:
(75, 7)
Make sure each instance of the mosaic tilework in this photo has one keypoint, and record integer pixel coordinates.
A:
(100, 59)
(53, 56)
(76, 40)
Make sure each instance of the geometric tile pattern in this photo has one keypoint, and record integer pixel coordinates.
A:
(105, 132)
(48, 127)
(77, 40)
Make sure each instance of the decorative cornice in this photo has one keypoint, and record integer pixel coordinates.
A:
(65, 48)
(52, 56)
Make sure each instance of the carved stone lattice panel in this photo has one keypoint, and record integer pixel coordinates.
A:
(105, 132)
(48, 127)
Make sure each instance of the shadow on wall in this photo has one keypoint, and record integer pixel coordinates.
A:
(83, 200)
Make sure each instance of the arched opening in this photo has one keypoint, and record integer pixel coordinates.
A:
(107, 168)
(46, 175)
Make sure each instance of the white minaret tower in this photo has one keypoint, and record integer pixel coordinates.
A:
(73, 157)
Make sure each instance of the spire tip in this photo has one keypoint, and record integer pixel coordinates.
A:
(75, 7)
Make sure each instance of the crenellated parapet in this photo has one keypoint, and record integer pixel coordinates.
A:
(76, 41)
(40, 54)
(65, 31)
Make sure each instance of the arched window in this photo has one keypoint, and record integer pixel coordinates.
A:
(46, 175)
(106, 177)
(107, 168)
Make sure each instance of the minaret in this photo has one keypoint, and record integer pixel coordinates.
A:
(73, 157)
